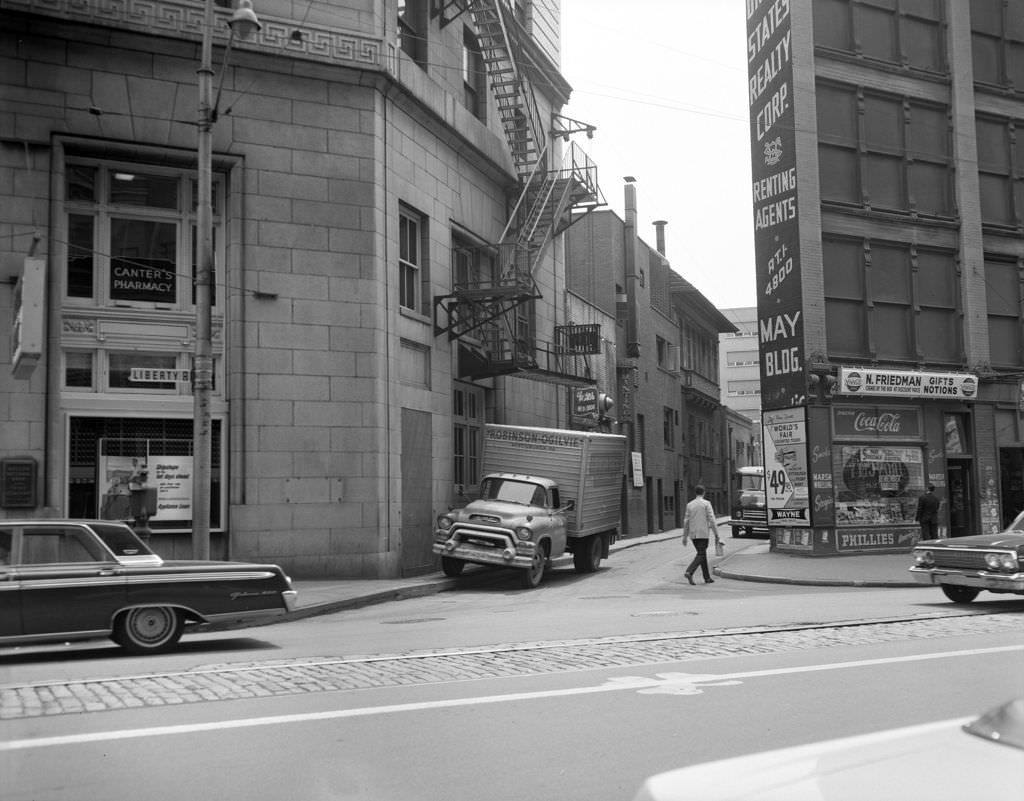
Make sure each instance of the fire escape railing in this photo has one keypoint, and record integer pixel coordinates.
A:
(487, 316)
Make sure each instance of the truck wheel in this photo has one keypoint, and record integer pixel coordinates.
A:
(736, 532)
(531, 577)
(959, 595)
(587, 555)
(452, 567)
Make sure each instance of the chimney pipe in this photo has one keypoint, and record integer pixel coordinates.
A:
(659, 225)
(632, 339)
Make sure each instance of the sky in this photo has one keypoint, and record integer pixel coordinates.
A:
(664, 81)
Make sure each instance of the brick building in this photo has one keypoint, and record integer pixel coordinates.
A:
(888, 220)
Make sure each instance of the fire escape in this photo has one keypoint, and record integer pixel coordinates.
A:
(490, 315)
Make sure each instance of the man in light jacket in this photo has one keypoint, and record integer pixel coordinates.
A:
(699, 525)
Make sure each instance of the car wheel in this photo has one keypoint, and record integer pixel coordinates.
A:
(959, 595)
(587, 555)
(531, 576)
(148, 629)
(452, 567)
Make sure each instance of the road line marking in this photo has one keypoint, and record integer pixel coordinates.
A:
(675, 683)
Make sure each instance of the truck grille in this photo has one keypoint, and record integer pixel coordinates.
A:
(490, 519)
(754, 515)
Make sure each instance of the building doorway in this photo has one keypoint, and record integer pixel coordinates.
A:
(1011, 483)
(960, 489)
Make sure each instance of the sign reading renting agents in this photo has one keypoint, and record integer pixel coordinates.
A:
(771, 98)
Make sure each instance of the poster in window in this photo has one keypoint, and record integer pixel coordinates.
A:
(787, 491)
(171, 476)
(879, 485)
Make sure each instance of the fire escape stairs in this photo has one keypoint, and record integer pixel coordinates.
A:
(486, 317)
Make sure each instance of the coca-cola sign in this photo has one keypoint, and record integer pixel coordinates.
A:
(877, 422)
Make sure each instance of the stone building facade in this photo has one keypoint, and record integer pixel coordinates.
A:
(381, 289)
(888, 225)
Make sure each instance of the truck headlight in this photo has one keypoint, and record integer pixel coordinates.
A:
(924, 558)
(524, 533)
(444, 522)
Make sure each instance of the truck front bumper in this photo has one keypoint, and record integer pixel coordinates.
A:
(483, 547)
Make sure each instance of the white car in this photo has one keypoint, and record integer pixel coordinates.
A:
(962, 758)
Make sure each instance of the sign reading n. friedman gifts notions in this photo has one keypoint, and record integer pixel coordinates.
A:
(907, 383)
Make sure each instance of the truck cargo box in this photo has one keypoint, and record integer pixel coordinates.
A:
(587, 466)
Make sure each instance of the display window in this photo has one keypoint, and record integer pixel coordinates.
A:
(878, 484)
(112, 460)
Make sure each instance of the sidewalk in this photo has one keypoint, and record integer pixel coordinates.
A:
(744, 560)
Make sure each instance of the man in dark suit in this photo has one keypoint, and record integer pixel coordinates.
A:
(928, 514)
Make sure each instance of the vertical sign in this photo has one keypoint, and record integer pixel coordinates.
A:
(776, 227)
(785, 467)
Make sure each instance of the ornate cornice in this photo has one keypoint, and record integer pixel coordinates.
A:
(184, 20)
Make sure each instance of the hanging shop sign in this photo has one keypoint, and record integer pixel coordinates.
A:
(27, 326)
(907, 383)
(787, 490)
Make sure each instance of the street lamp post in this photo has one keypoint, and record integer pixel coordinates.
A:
(244, 23)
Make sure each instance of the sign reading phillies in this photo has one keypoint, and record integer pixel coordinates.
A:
(907, 383)
(774, 195)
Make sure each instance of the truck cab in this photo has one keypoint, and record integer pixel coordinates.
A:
(749, 511)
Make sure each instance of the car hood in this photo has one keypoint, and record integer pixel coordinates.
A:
(934, 760)
(1002, 540)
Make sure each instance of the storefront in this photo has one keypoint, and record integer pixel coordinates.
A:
(844, 476)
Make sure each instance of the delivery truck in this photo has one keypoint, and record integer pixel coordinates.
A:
(543, 492)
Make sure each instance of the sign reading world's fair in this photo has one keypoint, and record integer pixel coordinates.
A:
(774, 196)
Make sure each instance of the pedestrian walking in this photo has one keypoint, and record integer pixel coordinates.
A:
(699, 525)
(928, 514)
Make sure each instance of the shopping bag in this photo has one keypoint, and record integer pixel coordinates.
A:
(719, 548)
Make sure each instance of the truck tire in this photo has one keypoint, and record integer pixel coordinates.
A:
(588, 554)
(531, 576)
(736, 532)
(452, 567)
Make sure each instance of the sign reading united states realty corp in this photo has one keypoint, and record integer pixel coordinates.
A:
(907, 383)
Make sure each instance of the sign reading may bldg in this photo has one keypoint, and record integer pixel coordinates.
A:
(907, 383)
(774, 193)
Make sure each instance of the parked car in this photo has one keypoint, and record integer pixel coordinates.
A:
(957, 758)
(79, 579)
(964, 566)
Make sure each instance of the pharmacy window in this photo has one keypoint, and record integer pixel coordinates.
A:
(130, 234)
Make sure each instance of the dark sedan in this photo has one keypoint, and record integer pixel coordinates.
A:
(964, 566)
(79, 579)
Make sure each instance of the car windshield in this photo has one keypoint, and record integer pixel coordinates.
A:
(121, 540)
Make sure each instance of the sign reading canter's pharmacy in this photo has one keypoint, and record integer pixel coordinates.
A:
(858, 381)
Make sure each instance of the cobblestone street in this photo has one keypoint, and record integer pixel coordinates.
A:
(288, 677)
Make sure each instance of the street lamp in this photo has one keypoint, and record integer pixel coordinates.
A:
(243, 22)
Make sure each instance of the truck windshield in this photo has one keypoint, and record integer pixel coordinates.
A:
(501, 489)
(749, 482)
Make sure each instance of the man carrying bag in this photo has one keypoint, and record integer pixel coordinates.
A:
(699, 525)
